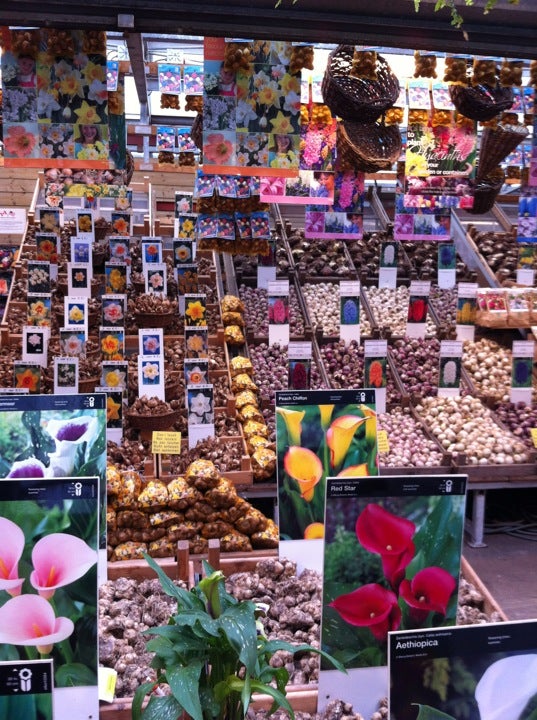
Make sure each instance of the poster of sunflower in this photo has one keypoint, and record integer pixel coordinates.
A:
(392, 558)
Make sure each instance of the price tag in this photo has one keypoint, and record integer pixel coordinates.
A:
(107, 678)
(382, 441)
(533, 432)
(165, 443)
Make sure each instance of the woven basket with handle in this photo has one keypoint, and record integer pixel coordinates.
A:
(367, 148)
(357, 98)
(486, 191)
(481, 102)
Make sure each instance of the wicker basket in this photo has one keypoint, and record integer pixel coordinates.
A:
(481, 102)
(129, 167)
(153, 422)
(87, 385)
(486, 191)
(154, 320)
(354, 98)
(496, 144)
(368, 148)
(102, 229)
(196, 131)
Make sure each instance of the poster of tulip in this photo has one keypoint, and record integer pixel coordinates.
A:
(48, 585)
(476, 672)
(319, 433)
(391, 562)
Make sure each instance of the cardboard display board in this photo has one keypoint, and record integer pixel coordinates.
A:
(391, 561)
(48, 602)
(473, 671)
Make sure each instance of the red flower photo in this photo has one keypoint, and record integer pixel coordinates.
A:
(391, 562)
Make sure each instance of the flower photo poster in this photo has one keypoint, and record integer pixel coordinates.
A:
(48, 600)
(55, 98)
(26, 688)
(392, 557)
(319, 433)
(251, 117)
(48, 436)
(474, 672)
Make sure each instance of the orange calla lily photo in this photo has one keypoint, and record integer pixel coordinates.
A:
(320, 434)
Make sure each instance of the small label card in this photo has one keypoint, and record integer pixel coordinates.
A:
(450, 365)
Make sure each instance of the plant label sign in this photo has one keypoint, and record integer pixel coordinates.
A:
(49, 603)
(449, 376)
(392, 558)
(319, 433)
(522, 371)
(498, 662)
(418, 308)
(349, 311)
(26, 689)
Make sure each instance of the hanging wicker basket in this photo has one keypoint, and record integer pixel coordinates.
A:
(486, 191)
(196, 131)
(129, 167)
(356, 98)
(481, 102)
(368, 148)
(496, 144)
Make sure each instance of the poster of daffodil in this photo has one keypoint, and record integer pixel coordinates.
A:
(392, 557)
(476, 672)
(48, 590)
(251, 109)
(55, 98)
(319, 433)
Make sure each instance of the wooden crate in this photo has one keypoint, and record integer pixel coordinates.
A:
(301, 697)
(490, 605)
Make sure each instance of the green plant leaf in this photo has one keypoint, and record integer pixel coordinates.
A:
(213, 665)
(239, 626)
(73, 674)
(280, 700)
(188, 599)
(199, 621)
(161, 708)
(167, 653)
(138, 699)
(426, 712)
(184, 684)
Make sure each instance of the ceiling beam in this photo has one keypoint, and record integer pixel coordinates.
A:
(508, 30)
(135, 46)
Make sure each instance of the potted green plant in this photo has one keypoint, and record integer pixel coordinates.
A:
(212, 655)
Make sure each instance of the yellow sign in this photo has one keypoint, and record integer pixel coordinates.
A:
(382, 441)
(107, 678)
(165, 443)
(533, 432)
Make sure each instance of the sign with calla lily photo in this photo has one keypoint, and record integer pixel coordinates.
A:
(319, 433)
(26, 689)
(476, 672)
(54, 436)
(391, 562)
(48, 585)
